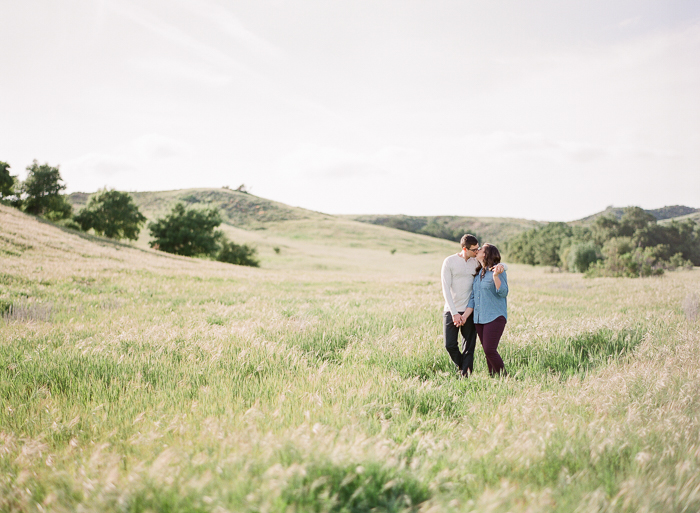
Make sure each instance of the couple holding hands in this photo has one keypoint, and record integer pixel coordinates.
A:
(475, 286)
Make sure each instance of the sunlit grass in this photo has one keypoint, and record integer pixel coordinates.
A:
(132, 381)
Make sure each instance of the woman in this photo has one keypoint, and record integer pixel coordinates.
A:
(489, 304)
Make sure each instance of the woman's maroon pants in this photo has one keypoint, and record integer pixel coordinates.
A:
(490, 336)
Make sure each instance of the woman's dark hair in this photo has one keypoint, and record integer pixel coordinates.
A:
(491, 257)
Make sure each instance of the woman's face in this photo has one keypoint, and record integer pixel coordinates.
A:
(480, 255)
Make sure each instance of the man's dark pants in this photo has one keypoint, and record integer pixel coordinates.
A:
(464, 360)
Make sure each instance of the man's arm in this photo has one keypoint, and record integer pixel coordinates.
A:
(446, 279)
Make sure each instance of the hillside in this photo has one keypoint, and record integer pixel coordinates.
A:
(249, 218)
(239, 209)
(285, 234)
(496, 230)
(289, 237)
(694, 216)
(661, 214)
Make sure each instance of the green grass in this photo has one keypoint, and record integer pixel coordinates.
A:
(170, 384)
(574, 355)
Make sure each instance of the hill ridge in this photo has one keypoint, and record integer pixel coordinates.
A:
(246, 211)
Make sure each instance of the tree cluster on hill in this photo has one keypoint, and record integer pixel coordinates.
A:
(636, 245)
(440, 227)
(192, 232)
(40, 194)
(113, 214)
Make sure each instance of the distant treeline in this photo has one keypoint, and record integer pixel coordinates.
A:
(440, 228)
(667, 212)
(494, 230)
(634, 245)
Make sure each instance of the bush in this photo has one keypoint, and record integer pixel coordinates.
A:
(581, 256)
(112, 214)
(57, 208)
(541, 246)
(678, 262)
(239, 254)
(188, 232)
(69, 223)
(621, 260)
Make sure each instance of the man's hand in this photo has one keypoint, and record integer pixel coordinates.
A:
(497, 269)
(457, 319)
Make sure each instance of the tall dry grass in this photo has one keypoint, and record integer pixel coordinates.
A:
(161, 383)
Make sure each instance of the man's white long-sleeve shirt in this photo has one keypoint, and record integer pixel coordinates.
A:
(457, 277)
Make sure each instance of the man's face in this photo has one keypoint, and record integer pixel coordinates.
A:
(471, 252)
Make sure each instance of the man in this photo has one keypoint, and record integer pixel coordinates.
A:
(457, 276)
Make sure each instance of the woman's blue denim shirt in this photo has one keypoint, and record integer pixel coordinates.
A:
(487, 302)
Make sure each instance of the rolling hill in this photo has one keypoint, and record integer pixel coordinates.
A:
(238, 208)
(498, 230)
(290, 237)
(286, 235)
(677, 212)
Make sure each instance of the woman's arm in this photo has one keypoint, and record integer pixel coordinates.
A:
(496, 270)
(500, 280)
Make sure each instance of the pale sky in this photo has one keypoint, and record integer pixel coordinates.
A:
(548, 110)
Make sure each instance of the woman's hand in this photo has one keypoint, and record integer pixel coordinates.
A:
(497, 269)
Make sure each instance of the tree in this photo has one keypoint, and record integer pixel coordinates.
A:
(549, 241)
(521, 249)
(188, 232)
(634, 219)
(605, 228)
(42, 192)
(239, 254)
(112, 214)
(7, 181)
(582, 255)
(680, 237)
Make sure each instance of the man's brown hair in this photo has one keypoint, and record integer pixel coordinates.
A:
(468, 240)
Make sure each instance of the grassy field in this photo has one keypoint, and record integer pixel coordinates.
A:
(137, 381)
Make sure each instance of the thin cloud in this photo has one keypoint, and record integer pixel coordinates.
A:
(175, 35)
(124, 164)
(222, 18)
(157, 147)
(537, 145)
(315, 161)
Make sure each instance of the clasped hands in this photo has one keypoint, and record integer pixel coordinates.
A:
(459, 320)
